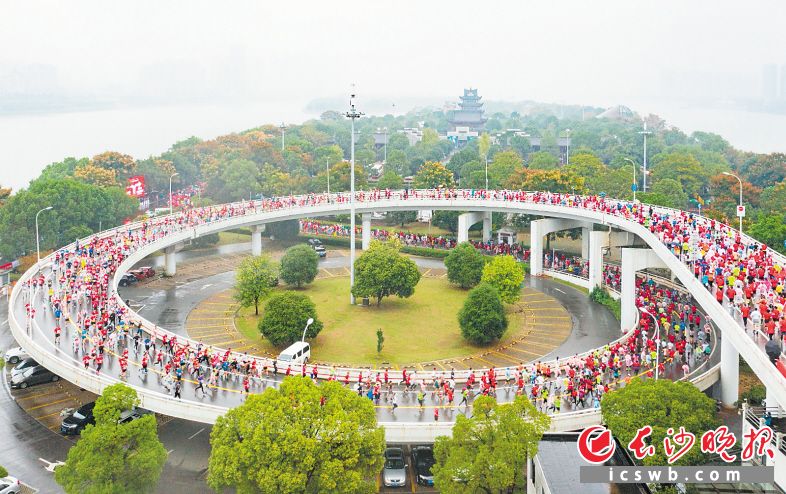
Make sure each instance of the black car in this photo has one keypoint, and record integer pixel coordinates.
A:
(127, 279)
(423, 460)
(33, 375)
(78, 420)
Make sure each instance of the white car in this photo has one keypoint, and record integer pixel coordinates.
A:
(10, 485)
(14, 355)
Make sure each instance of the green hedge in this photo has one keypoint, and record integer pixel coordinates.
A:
(425, 251)
(337, 241)
(601, 296)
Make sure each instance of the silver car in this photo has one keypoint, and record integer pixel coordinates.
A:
(10, 485)
(395, 472)
(14, 355)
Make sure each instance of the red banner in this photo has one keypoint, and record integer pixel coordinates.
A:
(136, 186)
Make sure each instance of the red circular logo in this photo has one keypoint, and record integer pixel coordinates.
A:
(596, 448)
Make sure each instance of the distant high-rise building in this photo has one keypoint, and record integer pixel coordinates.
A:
(769, 83)
(469, 114)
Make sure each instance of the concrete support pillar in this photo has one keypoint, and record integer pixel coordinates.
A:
(487, 226)
(634, 260)
(170, 266)
(256, 239)
(585, 242)
(627, 290)
(366, 235)
(772, 405)
(536, 248)
(730, 372)
(595, 241)
(466, 220)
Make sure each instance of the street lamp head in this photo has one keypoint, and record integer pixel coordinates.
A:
(727, 173)
(310, 321)
(48, 208)
(176, 173)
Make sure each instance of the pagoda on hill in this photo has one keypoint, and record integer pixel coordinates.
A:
(469, 114)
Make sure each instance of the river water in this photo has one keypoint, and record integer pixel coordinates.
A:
(30, 142)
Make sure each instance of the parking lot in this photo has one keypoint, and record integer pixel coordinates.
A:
(411, 485)
(46, 402)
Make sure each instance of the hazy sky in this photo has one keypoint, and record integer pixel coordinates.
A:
(573, 51)
(288, 53)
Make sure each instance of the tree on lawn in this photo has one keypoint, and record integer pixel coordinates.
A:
(114, 458)
(255, 278)
(284, 440)
(482, 318)
(488, 451)
(770, 229)
(506, 275)
(432, 175)
(465, 265)
(382, 271)
(286, 315)
(661, 404)
(299, 265)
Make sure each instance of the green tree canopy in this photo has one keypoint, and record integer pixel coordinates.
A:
(667, 192)
(285, 441)
(382, 271)
(112, 458)
(255, 278)
(542, 160)
(771, 230)
(506, 275)
(299, 265)
(432, 175)
(488, 451)
(465, 265)
(661, 404)
(77, 209)
(285, 318)
(283, 230)
(238, 179)
(390, 180)
(502, 166)
(482, 318)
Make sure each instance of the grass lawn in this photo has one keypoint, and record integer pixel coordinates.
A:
(421, 328)
(227, 238)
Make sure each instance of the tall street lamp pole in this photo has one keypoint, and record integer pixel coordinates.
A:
(645, 133)
(308, 323)
(385, 159)
(352, 114)
(327, 170)
(37, 244)
(657, 339)
(170, 190)
(282, 127)
(567, 147)
(739, 211)
(635, 185)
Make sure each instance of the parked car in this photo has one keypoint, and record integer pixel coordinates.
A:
(423, 460)
(10, 485)
(78, 419)
(394, 474)
(34, 375)
(316, 244)
(127, 279)
(14, 355)
(133, 414)
(23, 365)
(147, 271)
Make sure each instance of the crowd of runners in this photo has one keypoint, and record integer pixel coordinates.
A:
(743, 275)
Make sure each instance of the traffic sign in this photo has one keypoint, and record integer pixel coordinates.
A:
(634, 187)
(740, 211)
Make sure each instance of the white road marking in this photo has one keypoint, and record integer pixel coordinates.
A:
(205, 286)
(7, 387)
(51, 465)
(560, 291)
(5, 320)
(169, 452)
(192, 436)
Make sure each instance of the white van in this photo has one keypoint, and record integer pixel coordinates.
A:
(297, 353)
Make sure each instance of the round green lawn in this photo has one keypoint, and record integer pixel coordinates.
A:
(421, 328)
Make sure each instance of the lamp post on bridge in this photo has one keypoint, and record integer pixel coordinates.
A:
(740, 207)
(635, 184)
(308, 323)
(352, 114)
(170, 191)
(37, 245)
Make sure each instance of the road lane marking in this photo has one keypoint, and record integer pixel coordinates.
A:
(192, 436)
(47, 404)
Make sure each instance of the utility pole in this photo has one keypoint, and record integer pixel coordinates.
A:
(352, 114)
(645, 133)
(327, 171)
(282, 127)
(567, 147)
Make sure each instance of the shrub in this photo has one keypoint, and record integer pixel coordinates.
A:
(482, 318)
(601, 296)
(506, 275)
(285, 317)
(465, 265)
(299, 266)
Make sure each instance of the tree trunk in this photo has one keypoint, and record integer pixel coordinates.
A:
(256, 306)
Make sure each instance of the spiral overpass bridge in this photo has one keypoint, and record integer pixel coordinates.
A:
(560, 212)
